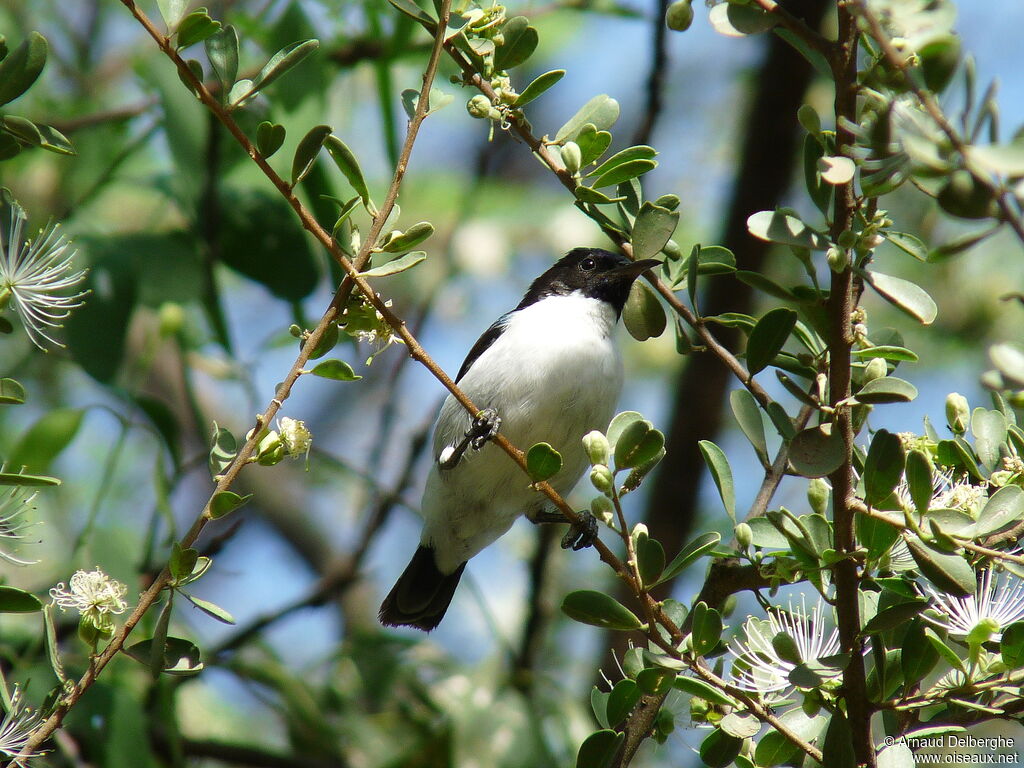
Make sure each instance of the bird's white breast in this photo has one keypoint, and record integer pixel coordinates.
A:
(553, 375)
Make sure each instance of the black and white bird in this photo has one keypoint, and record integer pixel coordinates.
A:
(548, 371)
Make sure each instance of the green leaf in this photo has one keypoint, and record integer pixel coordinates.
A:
(715, 260)
(719, 749)
(222, 449)
(768, 337)
(1003, 508)
(1009, 361)
(886, 352)
(1011, 646)
(14, 600)
(636, 444)
(543, 462)
(349, 166)
(592, 143)
(600, 610)
(225, 502)
(650, 559)
(413, 11)
(838, 745)
(307, 150)
(183, 562)
(894, 616)
(624, 172)
(639, 152)
(643, 315)
(950, 573)
(748, 415)
(20, 69)
(943, 650)
(908, 244)
(45, 439)
(181, 657)
(280, 63)
(538, 86)
(414, 235)
(887, 389)
(919, 480)
(393, 267)
(655, 681)
(897, 755)
(159, 640)
(602, 111)
(903, 294)
(773, 749)
(11, 392)
(520, 42)
(883, 467)
(918, 657)
(652, 229)
(587, 195)
(195, 28)
(269, 138)
(734, 20)
(338, 370)
(721, 473)
(991, 431)
(702, 690)
(17, 478)
(816, 453)
(172, 11)
(875, 535)
(598, 749)
(706, 628)
(777, 227)
(698, 547)
(222, 51)
(624, 696)
(210, 609)
(1005, 159)
(740, 726)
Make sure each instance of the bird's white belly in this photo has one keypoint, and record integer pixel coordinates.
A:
(552, 376)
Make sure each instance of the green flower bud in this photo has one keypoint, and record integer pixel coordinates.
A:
(572, 158)
(837, 259)
(875, 369)
(602, 508)
(958, 413)
(744, 535)
(817, 495)
(847, 239)
(172, 319)
(597, 447)
(679, 16)
(602, 479)
(479, 106)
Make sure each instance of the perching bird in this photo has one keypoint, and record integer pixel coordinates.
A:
(550, 371)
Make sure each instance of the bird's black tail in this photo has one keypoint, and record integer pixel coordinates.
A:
(421, 595)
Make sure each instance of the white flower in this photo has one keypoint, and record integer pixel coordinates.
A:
(999, 600)
(947, 493)
(35, 274)
(296, 438)
(93, 594)
(12, 525)
(758, 666)
(18, 723)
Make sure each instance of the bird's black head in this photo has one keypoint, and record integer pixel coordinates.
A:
(592, 272)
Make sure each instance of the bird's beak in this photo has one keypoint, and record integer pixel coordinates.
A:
(633, 270)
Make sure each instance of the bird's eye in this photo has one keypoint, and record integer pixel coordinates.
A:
(587, 264)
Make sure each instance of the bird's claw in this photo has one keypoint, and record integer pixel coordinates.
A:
(582, 534)
(484, 427)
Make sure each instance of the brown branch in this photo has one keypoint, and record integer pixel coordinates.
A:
(840, 306)
(798, 27)
(898, 63)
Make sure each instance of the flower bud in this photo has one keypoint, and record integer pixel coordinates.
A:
(875, 369)
(817, 495)
(744, 535)
(837, 259)
(597, 447)
(172, 319)
(847, 239)
(572, 158)
(601, 507)
(602, 479)
(958, 413)
(479, 106)
(679, 16)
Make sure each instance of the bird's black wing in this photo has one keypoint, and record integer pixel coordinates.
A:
(483, 344)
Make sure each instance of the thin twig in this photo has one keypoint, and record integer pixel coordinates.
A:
(798, 27)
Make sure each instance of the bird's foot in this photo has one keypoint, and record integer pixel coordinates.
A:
(484, 427)
(582, 534)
